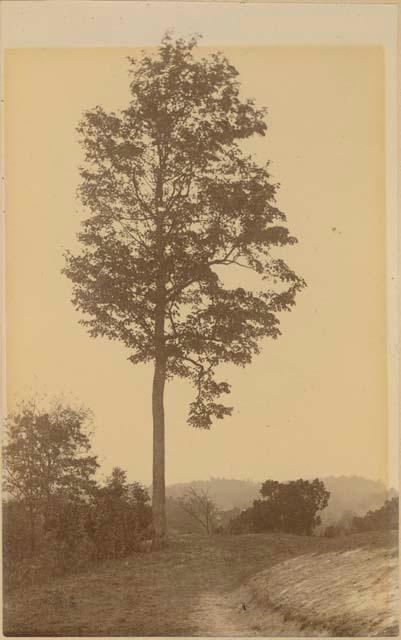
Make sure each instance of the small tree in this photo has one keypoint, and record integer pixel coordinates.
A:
(198, 504)
(121, 514)
(296, 504)
(292, 507)
(47, 456)
(173, 202)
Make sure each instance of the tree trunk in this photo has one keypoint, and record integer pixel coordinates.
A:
(159, 379)
(32, 535)
(159, 490)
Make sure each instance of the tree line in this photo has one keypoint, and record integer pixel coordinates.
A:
(58, 517)
(384, 518)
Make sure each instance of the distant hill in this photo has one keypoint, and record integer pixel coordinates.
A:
(227, 493)
(353, 495)
(349, 495)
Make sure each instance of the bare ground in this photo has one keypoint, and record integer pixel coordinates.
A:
(195, 587)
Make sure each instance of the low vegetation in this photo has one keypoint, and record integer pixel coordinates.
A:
(385, 518)
(74, 562)
(215, 585)
(57, 518)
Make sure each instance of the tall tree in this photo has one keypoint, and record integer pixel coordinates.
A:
(173, 201)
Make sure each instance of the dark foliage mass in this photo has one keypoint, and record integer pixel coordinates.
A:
(291, 507)
(384, 518)
(120, 517)
(47, 461)
(56, 516)
(172, 200)
(352, 496)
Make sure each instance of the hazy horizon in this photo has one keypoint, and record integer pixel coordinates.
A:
(295, 477)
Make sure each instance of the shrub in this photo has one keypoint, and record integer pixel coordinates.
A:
(70, 534)
(334, 531)
(292, 507)
(120, 518)
(62, 543)
(381, 519)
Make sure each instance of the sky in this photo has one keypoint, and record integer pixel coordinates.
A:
(321, 389)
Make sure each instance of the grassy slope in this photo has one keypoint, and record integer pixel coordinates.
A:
(194, 587)
(350, 589)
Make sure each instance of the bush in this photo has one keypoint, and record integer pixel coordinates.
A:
(16, 531)
(334, 531)
(291, 507)
(385, 518)
(70, 534)
(121, 517)
(62, 543)
(243, 522)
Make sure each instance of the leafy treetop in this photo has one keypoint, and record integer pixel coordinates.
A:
(173, 201)
(47, 453)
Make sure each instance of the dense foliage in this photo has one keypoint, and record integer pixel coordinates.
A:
(381, 519)
(56, 516)
(171, 198)
(47, 460)
(291, 507)
(120, 517)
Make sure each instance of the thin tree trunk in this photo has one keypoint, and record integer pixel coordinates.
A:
(159, 490)
(32, 528)
(159, 378)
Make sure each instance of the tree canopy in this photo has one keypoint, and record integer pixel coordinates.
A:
(47, 461)
(292, 507)
(172, 197)
(47, 452)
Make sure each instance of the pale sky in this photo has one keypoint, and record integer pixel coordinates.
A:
(321, 387)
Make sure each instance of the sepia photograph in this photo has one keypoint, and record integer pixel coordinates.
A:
(200, 362)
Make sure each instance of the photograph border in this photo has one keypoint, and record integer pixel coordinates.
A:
(97, 23)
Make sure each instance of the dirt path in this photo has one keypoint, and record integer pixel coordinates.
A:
(220, 615)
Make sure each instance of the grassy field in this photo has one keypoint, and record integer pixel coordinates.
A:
(198, 586)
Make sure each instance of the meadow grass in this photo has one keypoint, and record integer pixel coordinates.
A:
(197, 585)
